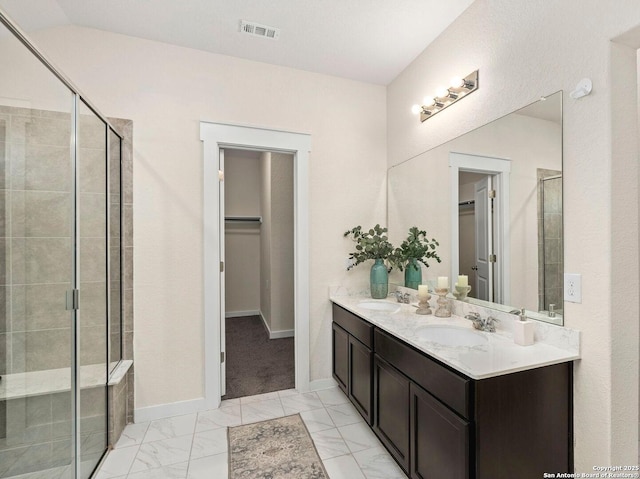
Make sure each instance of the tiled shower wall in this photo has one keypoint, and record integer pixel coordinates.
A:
(36, 229)
(35, 334)
(121, 395)
(550, 248)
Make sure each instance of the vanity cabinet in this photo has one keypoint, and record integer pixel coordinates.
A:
(353, 359)
(423, 434)
(439, 438)
(391, 414)
(438, 423)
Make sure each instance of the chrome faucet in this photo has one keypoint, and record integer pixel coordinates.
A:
(402, 298)
(487, 325)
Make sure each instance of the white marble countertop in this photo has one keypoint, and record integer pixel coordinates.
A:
(498, 356)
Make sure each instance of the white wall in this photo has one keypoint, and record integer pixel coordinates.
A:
(166, 91)
(242, 240)
(282, 245)
(525, 49)
(265, 238)
(276, 243)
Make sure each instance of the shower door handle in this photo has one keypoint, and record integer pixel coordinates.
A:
(73, 300)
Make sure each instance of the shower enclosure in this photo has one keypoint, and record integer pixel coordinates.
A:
(550, 254)
(60, 269)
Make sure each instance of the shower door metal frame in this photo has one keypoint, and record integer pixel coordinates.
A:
(73, 296)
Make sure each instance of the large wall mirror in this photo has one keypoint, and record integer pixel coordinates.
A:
(492, 198)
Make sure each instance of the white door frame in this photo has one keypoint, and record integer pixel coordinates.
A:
(490, 166)
(214, 137)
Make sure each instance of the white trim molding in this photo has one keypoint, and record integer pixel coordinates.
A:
(241, 314)
(216, 136)
(278, 334)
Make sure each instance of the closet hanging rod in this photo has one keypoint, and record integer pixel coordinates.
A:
(243, 219)
(467, 203)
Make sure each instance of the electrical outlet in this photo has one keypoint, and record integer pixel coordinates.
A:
(573, 287)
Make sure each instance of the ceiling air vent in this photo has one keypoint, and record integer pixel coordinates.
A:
(258, 30)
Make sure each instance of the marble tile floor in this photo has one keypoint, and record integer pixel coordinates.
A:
(194, 446)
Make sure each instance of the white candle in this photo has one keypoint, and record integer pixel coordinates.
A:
(443, 282)
(463, 280)
(423, 291)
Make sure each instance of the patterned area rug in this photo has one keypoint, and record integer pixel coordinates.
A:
(274, 449)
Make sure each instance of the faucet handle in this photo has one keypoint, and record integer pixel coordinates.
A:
(473, 316)
(490, 324)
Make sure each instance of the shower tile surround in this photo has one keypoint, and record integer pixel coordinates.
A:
(34, 326)
(550, 254)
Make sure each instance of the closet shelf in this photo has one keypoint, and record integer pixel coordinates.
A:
(243, 219)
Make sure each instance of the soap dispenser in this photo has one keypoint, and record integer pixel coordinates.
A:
(523, 330)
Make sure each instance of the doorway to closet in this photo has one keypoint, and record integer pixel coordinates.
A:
(257, 198)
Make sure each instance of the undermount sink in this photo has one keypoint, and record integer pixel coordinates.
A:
(451, 336)
(385, 306)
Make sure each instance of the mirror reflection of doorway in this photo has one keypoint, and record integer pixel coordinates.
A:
(476, 230)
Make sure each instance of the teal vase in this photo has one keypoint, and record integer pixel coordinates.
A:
(379, 280)
(412, 274)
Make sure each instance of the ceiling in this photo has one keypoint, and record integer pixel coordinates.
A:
(365, 40)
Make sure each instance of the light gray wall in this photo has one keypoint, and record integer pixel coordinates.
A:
(277, 286)
(282, 247)
(242, 240)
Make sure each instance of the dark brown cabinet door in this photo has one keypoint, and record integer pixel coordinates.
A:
(439, 439)
(391, 410)
(340, 339)
(360, 358)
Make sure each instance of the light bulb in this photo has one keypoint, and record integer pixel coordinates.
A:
(457, 82)
(416, 109)
(442, 92)
(428, 101)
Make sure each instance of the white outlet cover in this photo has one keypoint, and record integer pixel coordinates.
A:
(573, 287)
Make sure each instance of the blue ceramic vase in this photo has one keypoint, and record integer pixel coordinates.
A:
(412, 274)
(379, 280)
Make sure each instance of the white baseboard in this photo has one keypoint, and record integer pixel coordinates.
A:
(162, 411)
(283, 333)
(181, 408)
(239, 314)
(319, 384)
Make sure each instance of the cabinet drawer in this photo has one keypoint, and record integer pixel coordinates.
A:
(356, 327)
(449, 387)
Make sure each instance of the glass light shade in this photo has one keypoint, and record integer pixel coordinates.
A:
(428, 101)
(415, 109)
(457, 82)
(442, 92)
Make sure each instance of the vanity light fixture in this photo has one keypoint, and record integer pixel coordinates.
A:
(446, 96)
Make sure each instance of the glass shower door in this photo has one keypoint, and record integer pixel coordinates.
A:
(58, 253)
(36, 267)
(93, 284)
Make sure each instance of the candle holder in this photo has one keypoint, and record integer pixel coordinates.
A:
(443, 311)
(423, 305)
(461, 292)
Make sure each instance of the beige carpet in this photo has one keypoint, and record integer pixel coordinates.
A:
(275, 449)
(255, 363)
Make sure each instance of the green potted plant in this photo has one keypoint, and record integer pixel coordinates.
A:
(372, 244)
(416, 248)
